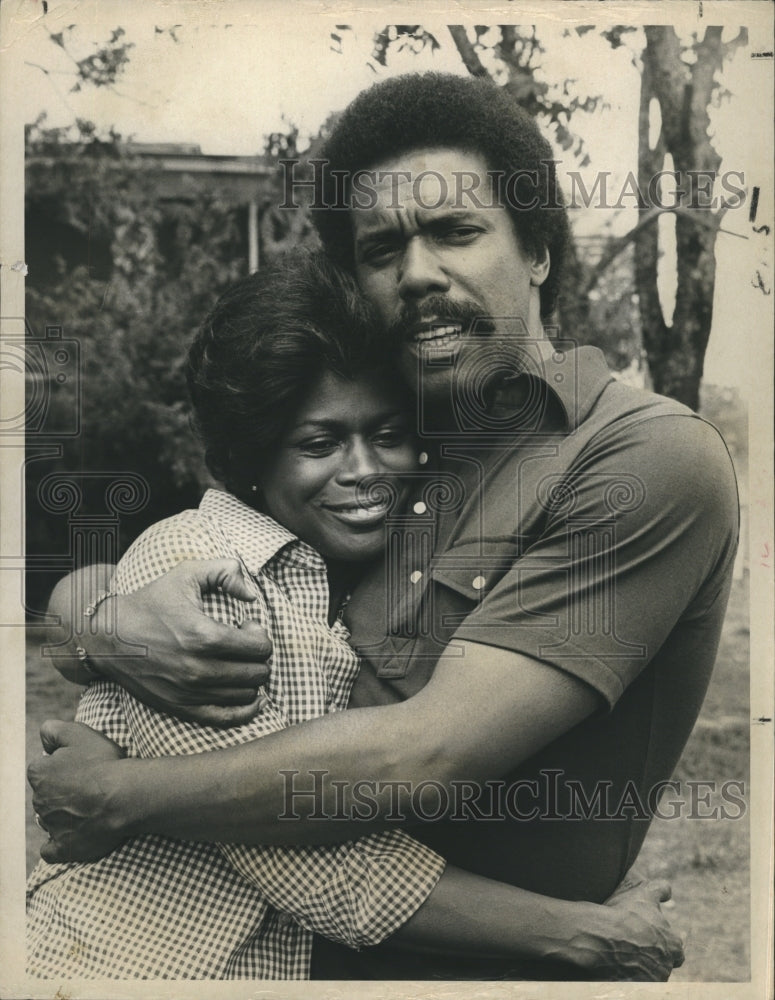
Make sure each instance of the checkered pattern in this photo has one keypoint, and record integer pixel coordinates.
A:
(169, 909)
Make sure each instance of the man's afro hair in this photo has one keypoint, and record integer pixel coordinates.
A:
(435, 110)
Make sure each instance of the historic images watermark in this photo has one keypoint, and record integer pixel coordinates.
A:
(520, 190)
(552, 795)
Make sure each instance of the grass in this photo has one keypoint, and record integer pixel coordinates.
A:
(707, 861)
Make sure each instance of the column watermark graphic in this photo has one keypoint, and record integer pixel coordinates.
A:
(85, 507)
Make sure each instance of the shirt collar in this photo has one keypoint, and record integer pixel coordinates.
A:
(575, 377)
(255, 537)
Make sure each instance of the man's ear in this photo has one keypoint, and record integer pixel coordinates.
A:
(539, 267)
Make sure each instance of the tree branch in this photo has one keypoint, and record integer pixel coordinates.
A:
(615, 246)
(467, 51)
(741, 38)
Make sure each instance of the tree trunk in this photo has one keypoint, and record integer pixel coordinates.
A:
(654, 330)
(676, 352)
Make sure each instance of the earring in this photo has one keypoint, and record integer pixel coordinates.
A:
(254, 489)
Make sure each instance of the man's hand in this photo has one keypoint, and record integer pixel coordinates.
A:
(186, 664)
(70, 795)
(638, 944)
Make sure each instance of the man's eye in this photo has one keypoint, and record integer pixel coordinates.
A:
(461, 234)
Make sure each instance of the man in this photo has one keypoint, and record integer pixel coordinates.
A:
(555, 596)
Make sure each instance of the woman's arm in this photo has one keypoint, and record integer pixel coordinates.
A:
(359, 892)
(468, 914)
(628, 936)
(356, 893)
(68, 600)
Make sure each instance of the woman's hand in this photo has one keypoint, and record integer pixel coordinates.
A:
(158, 644)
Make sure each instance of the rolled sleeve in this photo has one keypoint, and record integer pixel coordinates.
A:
(357, 893)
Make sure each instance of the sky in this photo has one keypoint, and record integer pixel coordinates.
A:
(224, 75)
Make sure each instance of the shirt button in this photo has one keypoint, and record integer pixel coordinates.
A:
(416, 576)
(422, 458)
(419, 507)
(478, 582)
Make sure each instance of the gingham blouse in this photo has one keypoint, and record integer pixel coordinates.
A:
(173, 909)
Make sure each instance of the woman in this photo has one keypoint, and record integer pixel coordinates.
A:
(297, 407)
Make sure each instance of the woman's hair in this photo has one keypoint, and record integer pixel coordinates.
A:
(440, 110)
(266, 342)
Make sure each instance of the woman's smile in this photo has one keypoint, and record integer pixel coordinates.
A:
(338, 469)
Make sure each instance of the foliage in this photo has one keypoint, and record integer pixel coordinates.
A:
(130, 278)
(98, 69)
(283, 229)
(613, 323)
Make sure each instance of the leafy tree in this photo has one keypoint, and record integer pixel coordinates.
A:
(130, 278)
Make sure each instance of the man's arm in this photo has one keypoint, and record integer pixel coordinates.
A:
(479, 716)
(627, 938)
(204, 671)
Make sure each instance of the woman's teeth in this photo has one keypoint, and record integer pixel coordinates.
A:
(365, 509)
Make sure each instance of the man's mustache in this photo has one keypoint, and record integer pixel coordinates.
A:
(437, 309)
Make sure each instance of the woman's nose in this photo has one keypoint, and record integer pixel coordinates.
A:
(360, 460)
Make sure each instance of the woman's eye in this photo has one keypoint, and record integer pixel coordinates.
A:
(318, 447)
(391, 437)
(380, 253)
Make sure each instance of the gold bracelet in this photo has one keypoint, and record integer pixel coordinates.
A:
(89, 612)
(102, 596)
(83, 658)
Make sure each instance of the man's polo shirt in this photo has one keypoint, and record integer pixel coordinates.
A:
(592, 527)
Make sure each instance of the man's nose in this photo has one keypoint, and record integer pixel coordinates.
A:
(421, 272)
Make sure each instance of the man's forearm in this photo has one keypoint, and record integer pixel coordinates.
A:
(68, 600)
(628, 938)
(254, 794)
(331, 779)
(470, 915)
(84, 793)
(348, 773)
